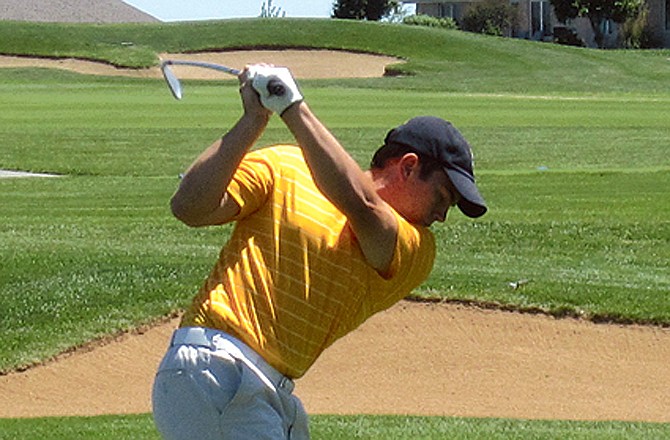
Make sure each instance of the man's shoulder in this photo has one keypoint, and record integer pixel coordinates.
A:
(412, 230)
(279, 152)
(416, 240)
(283, 159)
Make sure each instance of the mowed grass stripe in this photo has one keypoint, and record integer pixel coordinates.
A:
(361, 427)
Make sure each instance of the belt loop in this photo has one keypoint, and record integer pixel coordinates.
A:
(286, 383)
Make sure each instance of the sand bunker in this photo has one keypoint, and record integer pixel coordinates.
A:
(303, 63)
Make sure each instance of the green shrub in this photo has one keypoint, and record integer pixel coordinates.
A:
(635, 32)
(428, 21)
(492, 17)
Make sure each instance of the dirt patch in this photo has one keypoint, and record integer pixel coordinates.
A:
(426, 359)
(303, 64)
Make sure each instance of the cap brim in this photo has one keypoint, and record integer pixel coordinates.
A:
(472, 203)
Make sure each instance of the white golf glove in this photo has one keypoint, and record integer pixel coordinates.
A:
(276, 87)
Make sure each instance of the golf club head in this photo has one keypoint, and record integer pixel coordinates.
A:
(172, 81)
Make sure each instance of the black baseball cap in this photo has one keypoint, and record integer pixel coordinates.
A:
(440, 140)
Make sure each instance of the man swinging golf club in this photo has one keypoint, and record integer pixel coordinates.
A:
(319, 246)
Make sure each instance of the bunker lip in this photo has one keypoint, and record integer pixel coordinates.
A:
(304, 64)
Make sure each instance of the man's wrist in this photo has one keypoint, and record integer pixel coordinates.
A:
(293, 110)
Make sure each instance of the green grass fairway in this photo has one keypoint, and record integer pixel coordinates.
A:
(571, 151)
(576, 189)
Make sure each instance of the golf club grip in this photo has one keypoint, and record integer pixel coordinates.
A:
(276, 87)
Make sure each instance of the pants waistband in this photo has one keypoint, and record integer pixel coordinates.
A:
(218, 340)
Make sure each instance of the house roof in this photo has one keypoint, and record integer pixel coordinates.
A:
(72, 11)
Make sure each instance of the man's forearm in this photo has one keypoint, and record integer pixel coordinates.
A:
(346, 185)
(335, 172)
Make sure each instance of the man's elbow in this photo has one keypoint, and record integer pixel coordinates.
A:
(183, 213)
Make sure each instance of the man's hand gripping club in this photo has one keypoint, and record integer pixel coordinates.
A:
(275, 86)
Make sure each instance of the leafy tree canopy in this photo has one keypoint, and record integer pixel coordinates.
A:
(363, 9)
(597, 11)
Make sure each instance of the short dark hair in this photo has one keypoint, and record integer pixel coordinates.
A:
(390, 151)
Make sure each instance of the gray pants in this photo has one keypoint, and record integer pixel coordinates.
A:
(212, 386)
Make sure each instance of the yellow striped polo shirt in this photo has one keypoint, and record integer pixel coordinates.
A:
(292, 278)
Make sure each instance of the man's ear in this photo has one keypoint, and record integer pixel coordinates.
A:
(408, 163)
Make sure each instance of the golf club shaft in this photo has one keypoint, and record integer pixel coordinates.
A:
(204, 64)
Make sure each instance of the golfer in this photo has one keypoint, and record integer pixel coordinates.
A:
(319, 246)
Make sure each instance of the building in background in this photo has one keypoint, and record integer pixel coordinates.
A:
(536, 21)
(659, 20)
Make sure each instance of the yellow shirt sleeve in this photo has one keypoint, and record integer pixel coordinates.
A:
(251, 184)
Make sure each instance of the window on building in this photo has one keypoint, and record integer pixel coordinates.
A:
(607, 27)
(447, 10)
(540, 19)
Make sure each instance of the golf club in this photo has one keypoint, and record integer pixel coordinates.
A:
(274, 87)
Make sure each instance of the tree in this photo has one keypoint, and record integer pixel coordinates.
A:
(349, 9)
(635, 32)
(377, 9)
(597, 11)
(372, 10)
